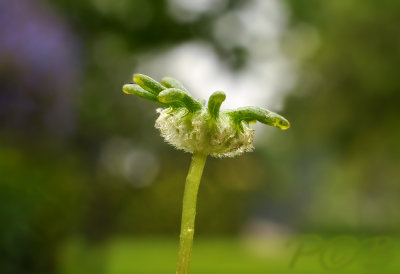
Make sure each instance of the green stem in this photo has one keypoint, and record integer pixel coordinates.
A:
(189, 211)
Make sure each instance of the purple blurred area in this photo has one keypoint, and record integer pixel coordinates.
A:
(39, 69)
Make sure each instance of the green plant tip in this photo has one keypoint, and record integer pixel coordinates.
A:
(148, 83)
(214, 103)
(192, 125)
(170, 82)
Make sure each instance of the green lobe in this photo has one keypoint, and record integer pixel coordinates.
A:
(138, 91)
(264, 116)
(148, 83)
(174, 95)
(170, 82)
(214, 103)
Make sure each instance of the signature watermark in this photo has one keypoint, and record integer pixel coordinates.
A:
(342, 251)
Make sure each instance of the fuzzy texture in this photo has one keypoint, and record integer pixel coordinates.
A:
(190, 125)
(198, 132)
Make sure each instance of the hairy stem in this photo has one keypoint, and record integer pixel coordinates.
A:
(189, 211)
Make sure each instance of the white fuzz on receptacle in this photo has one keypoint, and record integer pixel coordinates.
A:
(198, 132)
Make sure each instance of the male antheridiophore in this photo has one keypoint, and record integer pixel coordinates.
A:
(188, 124)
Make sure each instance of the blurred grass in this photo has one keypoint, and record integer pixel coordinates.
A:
(212, 255)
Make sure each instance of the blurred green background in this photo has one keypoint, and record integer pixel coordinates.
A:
(87, 185)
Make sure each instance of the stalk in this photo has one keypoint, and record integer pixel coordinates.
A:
(189, 211)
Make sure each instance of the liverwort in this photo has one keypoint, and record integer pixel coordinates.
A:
(188, 124)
